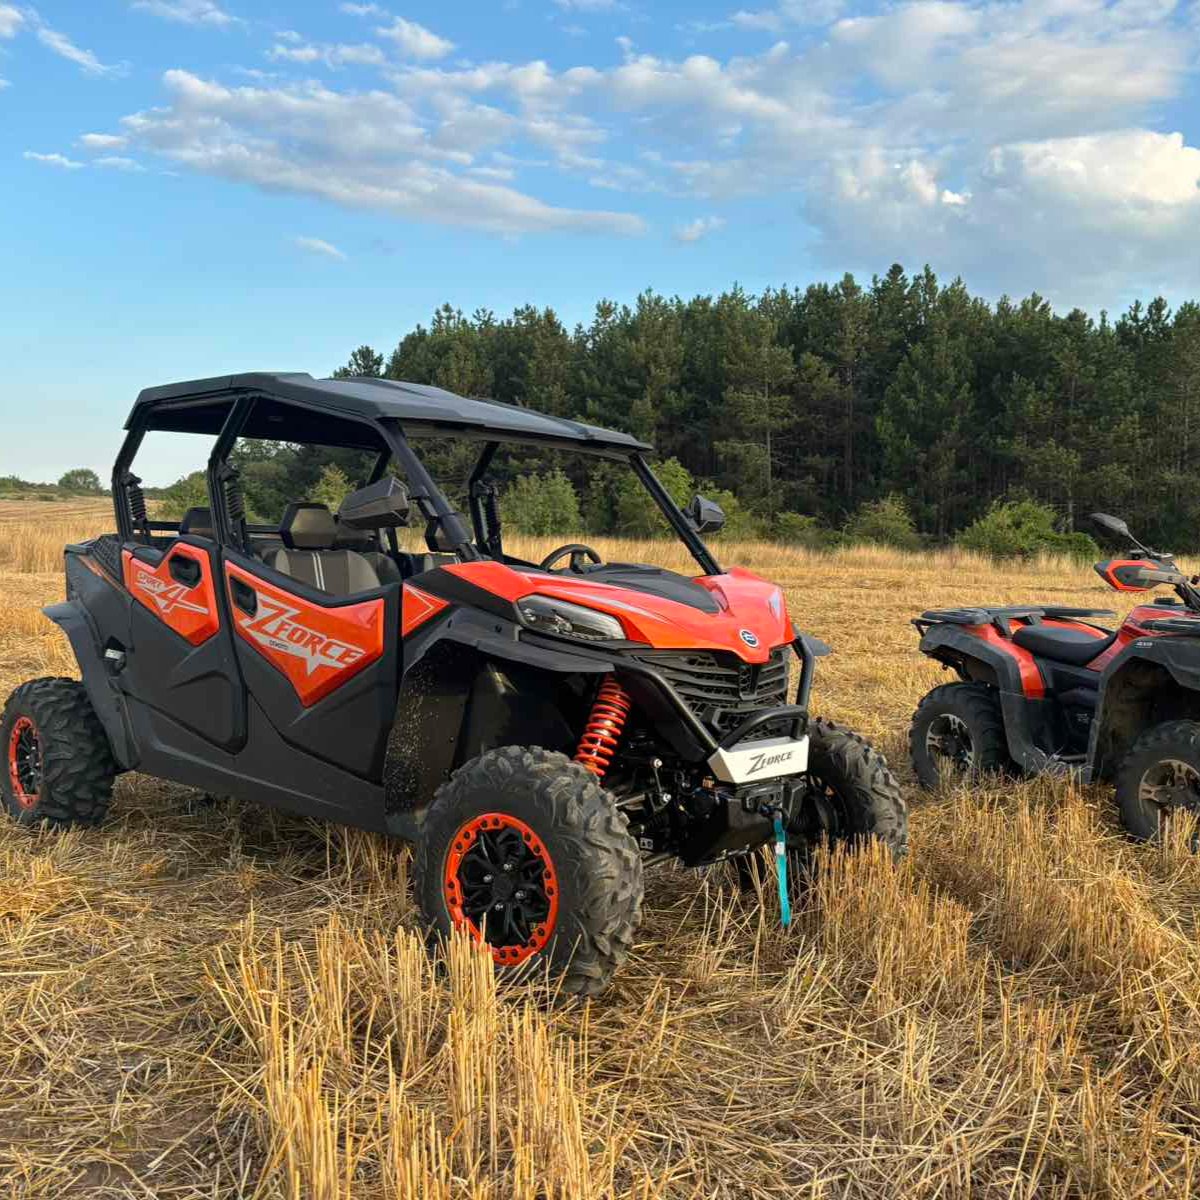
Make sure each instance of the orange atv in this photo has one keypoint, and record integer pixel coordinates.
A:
(1046, 689)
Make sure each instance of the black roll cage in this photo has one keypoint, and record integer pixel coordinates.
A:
(432, 500)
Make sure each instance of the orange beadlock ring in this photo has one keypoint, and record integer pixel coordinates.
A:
(21, 726)
(460, 847)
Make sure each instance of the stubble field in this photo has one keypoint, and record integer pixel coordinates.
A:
(217, 1001)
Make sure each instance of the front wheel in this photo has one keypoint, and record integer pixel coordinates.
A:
(1160, 776)
(853, 796)
(524, 850)
(958, 728)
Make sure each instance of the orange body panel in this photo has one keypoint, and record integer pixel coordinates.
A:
(417, 607)
(1032, 683)
(749, 607)
(190, 611)
(1131, 628)
(318, 648)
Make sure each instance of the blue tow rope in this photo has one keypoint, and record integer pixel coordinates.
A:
(781, 871)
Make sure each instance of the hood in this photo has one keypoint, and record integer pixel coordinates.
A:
(747, 614)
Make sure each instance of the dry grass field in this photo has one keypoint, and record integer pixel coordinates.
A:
(203, 1002)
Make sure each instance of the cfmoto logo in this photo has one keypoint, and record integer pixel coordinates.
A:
(751, 639)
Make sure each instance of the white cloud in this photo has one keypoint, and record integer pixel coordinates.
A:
(103, 141)
(363, 10)
(319, 247)
(701, 227)
(363, 54)
(62, 45)
(415, 41)
(53, 160)
(188, 12)
(367, 150)
(11, 19)
(117, 162)
(588, 5)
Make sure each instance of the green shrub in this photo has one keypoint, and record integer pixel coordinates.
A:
(542, 504)
(634, 513)
(741, 524)
(800, 529)
(1023, 529)
(331, 488)
(189, 492)
(885, 522)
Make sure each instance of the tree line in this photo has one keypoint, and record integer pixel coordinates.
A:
(813, 408)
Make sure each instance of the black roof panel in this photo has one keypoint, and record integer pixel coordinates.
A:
(198, 406)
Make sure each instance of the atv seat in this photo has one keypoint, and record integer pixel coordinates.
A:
(1070, 646)
(308, 532)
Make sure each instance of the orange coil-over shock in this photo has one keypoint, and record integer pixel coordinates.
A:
(603, 730)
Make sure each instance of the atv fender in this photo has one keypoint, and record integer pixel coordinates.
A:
(990, 658)
(73, 620)
(1150, 681)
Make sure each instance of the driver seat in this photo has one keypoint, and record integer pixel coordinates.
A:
(308, 532)
(1074, 647)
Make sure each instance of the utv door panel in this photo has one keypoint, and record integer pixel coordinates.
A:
(177, 587)
(321, 667)
(319, 647)
(175, 664)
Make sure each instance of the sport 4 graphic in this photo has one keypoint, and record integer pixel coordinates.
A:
(164, 594)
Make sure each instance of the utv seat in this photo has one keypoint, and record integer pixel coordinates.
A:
(308, 532)
(198, 522)
(1068, 646)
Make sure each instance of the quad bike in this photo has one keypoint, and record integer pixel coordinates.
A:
(1045, 689)
(542, 732)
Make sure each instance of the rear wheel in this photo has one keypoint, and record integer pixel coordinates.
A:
(57, 763)
(524, 850)
(1160, 776)
(958, 729)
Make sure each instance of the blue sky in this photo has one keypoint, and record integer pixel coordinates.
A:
(192, 187)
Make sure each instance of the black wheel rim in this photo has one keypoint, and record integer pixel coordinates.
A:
(824, 817)
(948, 743)
(501, 884)
(1169, 785)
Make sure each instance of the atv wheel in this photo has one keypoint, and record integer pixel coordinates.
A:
(854, 796)
(957, 727)
(57, 766)
(1160, 775)
(525, 850)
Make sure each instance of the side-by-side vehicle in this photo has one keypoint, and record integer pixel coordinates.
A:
(540, 731)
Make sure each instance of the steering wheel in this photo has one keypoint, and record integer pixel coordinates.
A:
(578, 552)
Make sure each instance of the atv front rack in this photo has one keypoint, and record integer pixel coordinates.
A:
(1002, 618)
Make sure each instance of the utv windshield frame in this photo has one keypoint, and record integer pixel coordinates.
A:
(368, 414)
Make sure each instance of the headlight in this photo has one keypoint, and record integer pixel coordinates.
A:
(562, 619)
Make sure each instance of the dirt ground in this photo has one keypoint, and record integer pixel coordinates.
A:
(212, 1000)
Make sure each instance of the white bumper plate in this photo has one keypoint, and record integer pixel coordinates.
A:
(754, 761)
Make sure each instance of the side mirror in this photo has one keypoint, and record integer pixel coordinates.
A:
(705, 516)
(1113, 525)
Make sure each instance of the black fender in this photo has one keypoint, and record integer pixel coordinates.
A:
(976, 660)
(1150, 681)
(72, 618)
(471, 683)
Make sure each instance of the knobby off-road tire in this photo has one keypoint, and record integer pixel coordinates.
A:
(855, 796)
(964, 713)
(1165, 761)
(595, 863)
(57, 765)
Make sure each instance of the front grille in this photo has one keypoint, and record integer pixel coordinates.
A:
(721, 689)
